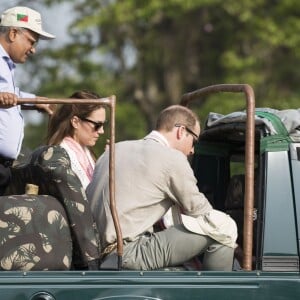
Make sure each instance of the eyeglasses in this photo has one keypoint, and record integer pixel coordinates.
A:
(33, 42)
(191, 132)
(97, 125)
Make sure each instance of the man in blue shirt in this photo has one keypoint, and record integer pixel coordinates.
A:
(20, 30)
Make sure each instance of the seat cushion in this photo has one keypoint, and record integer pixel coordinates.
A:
(34, 234)
(50, 169)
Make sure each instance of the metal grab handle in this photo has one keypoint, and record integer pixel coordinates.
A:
(111, 102)
(106, 100)
(249, 156)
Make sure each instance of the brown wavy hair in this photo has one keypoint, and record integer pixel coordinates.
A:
(60, 122)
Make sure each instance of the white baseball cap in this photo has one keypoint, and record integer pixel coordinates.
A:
(21, 16)
(216, 224)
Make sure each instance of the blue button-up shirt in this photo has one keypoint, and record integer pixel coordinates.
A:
(11, 119)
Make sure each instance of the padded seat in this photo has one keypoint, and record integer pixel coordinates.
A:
(34, 234)
(50, 169)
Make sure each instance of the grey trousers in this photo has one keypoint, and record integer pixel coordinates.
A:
(170, 248)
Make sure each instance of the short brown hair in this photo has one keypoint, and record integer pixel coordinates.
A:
(176, 114)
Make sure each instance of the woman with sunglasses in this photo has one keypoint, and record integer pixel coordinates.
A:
(76, 128)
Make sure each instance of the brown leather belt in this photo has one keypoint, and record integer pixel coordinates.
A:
(113, 246)
(108, 249)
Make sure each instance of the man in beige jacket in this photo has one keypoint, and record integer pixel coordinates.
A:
(152, 175)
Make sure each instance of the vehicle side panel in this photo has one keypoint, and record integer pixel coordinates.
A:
(150, 285)
(280, 236)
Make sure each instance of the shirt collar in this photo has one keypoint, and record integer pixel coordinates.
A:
(158, 137)
(6, 57)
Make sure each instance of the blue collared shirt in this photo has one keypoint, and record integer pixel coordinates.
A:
(11, 119)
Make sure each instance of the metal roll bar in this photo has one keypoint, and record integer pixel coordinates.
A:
(249, 156)
(111, 103)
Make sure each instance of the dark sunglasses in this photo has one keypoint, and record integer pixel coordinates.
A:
(191, 132)
(97, 125)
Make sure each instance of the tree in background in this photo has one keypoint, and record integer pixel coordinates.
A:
(148, 53)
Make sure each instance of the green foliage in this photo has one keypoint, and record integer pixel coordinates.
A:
(149, 53)
(129, 123)
(35, 134)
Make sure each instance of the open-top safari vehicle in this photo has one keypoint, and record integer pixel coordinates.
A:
(248, 165)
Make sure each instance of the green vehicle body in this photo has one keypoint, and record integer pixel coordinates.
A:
(274, 272)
